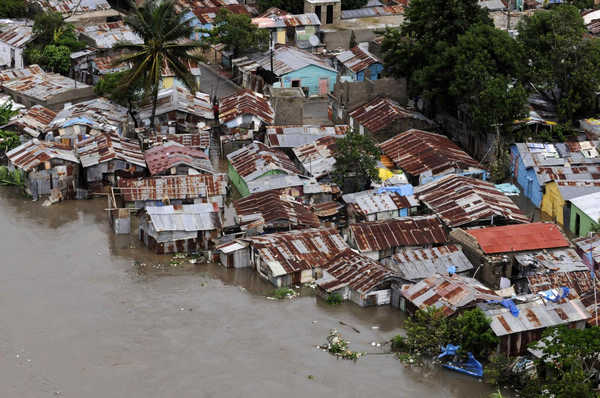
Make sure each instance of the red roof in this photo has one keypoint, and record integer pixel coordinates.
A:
(518, 238)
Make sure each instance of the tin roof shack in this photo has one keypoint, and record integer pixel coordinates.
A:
(556, 202)
(50, 169)
(534, 315)
(78, 122)
(424, 156)
(449, 293)
(307, 190)
(317, 158)
(180, 228)
(374, 205)
(585, 214)
(535, 164)
(588, 249)
(172, 158)
(381, 239)
(107, 155)
(329, 12)
(295, 136)
(14, 36)
(358, 63)
(467, 202)
(33, 86)
(104, 36)
(383, 118)
(255, 162)
(79, 12)
(416, 264)
(246, 110)
(199, 141)
(494, 249)
(178, 111)
(202, 15)
(356, 278)
(272, 211)
(32, 123)
(299, 30)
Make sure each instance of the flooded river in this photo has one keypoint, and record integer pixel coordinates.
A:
(86, 314)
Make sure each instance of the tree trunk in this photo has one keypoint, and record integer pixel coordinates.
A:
(154, 103)
(135, 122)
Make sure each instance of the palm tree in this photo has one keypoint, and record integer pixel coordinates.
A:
(166, 34)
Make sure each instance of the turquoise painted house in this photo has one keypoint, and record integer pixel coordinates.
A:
(298, 68)
(358, 63)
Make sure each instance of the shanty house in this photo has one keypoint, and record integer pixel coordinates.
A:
(295, 136)
(180, 228)
(466, 202)
(245, 109)
(416, 264)
(32, 123)
(80, 12)
(588, 249)
(383, 118)
(172, 158)
(359, 64)
(256, 161)
(556, 201)
(585, 214)
(300, 30)
(375, 205)
(356, 278)
(317, 158)
(14, 36)
(48, 167)
(104, 36)
(202, 15)
(381, 239)
(424, 156)
(106, 155)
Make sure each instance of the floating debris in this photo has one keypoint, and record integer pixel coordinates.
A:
(336, 345)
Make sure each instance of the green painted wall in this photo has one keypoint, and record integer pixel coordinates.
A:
(237, 181)
(585, 224)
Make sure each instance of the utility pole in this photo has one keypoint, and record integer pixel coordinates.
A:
(508, 6)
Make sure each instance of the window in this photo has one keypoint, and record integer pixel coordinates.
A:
(295, 83)
(318, 12)
(329, 18)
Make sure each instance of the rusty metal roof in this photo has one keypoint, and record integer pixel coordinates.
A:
(267, 209)
(460, 200)
(31, 154)
(579, 281)
(98, 113)
(173, 187)
(68, 6)
(106, 35)
(585, 245)
(207, 15)
(12, 74)
(448, 293)
(294, 136)
(16, 34)
(405, 231)
(106, 147)
(171, 154)
(287, 20)
(245, 102)
(417, 151)
(373, 12)
(200, 140)
(181, 100)
(35, 120)
(516, 238)
(352, 270)
(416, 264)
(317, 157)
(358, 58)
(564, 259)
(37, 84)
(372, 202)
(380, 113)
(106, 64)
(326, 209)
(298, 250)
(256, 159)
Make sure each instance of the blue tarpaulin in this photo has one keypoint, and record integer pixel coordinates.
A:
(451, 269)
(508, 189)
(78, 120)
(402, 190)
(507, 303)
(553, 296)
(471, 366)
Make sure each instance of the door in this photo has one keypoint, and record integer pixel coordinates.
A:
(323, 86)
(329, 18)
(577, 224)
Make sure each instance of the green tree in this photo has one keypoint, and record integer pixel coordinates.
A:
(111, 86)
(471, 330)
(6, 112)
(166, 42)
(237, 33)
(8, 141)
(45, 26)
(13, 9)
(291, 6)
(563, 65)
(57, 58)
(356, 157)
(353, 4)
(427, 331)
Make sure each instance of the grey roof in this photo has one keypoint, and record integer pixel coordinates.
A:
(552, 260)
(98, 113)
(284, 21)
(416, 264)
(558, 154)
(16, 33)
(574, 189)
(106, 35)
(68, 6)
(492, 5)
(589, 204)
(42, 85)
(180, 99)
(196, 217)
(290, 59)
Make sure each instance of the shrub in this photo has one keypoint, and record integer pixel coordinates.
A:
(334, 299)
(283, 292)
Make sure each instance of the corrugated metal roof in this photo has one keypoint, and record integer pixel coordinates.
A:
(372, 202)
(296, 135)
(405, 231)
(460, 200)
(105, 64)
(68, 6)
(379, 113)
(535, 314)
(552, 260)
(590, 205)
(516, 238)
(106, 147)
(16, 34)
(567, 173)
(326, 209)
(558, 154)
(289, 59)
(416, 264)
(579, 281)
(370, 12)
(106, 35)
(182, 4)
(245, 102)
(298, 250)
(417, 152)
(357, 272)
(256, 159)
(574, 189)
(200, 140)
(358, 58)
(269, 208)
(99, 114)
(585, 245)
(196, 217)
(35, 120)
(317, 158)
(285, 21)
(171, 154)
(12, 74)
(31, 154)
(181, 100)
(448, 293)
(36, 83)
(173, 187)
(207, 15)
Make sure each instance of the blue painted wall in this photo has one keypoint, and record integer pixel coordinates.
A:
(526, 178)
(309, 77)
(372, 72)
(197, 25)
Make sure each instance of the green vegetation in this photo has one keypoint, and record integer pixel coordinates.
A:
(163, 30)
(283, 292)
(356, 156)
(13, 9)
(237, 33)
(336, 345)
(8, 140)
(497, 371)
(111, 86)
(15, 177)
(334, 299)
(471, 330)
(6, 112)
(291, 6)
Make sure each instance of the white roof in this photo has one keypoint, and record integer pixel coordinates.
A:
(589, 204)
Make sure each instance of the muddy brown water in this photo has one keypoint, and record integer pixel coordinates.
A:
(84, 313)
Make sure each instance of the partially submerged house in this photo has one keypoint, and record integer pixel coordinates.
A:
(14, 36)
(255, 162)
(375, 205)
(416, 264)
(272, 211)
(383, 118)
(180, 228)
(108, 155)
(381, 239)
(300, 30)
(359, 64)
(49, 168)
(424, 156)
(172, 158)
(467, 202)
(246, 110)
(585, 214)
(317, 158)
(356, 278)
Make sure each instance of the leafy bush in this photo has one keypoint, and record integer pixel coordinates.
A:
(399, 343)
(13, 9)
(8, 141)
(471, 330)
(283, 292)
(337, 346)
(427, 331)
(498, 370)
(334, 299)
